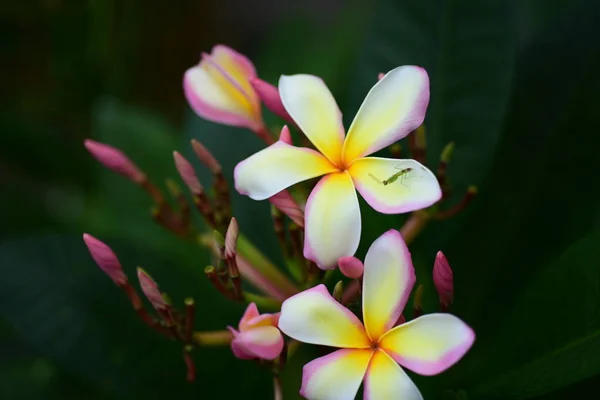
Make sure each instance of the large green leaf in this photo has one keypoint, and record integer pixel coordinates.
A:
(560, 316)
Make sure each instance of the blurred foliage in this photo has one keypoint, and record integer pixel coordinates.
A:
(513, 83)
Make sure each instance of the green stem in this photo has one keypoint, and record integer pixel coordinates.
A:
(263, 302)
(213, 338)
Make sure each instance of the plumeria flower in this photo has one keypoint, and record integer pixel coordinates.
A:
(427, 345)
(393, 108)
(257, 336)
(218, 89)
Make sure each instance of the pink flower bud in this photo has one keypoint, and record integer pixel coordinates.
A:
(218, 89)
(115, 160)
(206, 157)
(285, 203)
(380, 76)
(231, 237)
(106, 259)
(151, 291)
(270, 97)
(443, 280)
(257, 336)
(285, 136)
(187, 173)
(351, 267)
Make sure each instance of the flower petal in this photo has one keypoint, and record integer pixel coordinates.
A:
(393, 108)
(336, 376)
(314, 317)
(312, 106)
(277, 167)
(386, 380)
(387, 281)
(238, 67)
(414, 188)
(429, 344)
(215, 98)
(250, 313)
(264, 342)
(332, 221)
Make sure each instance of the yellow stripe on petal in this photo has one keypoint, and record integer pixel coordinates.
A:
(429, 344)
(314, 317)
(393, 108)
(336, 376)
(237, 67)
(332, 221)
(394, 186)
(278, 167)
(386, 380)
(312, 106)
(387, 281)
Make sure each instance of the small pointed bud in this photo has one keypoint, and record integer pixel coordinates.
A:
(351, 267)
(396, 150)
(380, 76)
(206, 157)
(443, 280)
(285, 135)
(187, 173)
(447, 153)
(418, 302)
(106, 259)
(287, 205)
(231, 237)
(420, 139)
(115, 160)
(338, 291)
(269, 95)
(150, 289)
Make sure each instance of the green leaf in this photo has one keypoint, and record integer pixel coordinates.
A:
(560, 314)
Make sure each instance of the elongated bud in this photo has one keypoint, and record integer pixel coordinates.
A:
(447, 153)
(418, 302)
(206, 157)
(443, 280)
(338, 291)
(231, 237)
(285, 135)
(151, 291)
(380, 76)
(287, 205)
(187, 173)
(115, 160)
(270, 97)
(106, 259)
(351, 267)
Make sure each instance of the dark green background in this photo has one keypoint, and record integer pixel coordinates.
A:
(515, 84)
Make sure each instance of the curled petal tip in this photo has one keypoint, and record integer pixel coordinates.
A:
(269, 95)
(443, 279)
(285, 135)
(115, 160)
(351, 267)
(187, 173)
(105, 258)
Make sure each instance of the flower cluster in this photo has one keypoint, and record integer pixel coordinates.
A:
(318, 226)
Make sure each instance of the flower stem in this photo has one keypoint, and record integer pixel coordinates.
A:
(414, 225)
(212, 338)
(263, 302)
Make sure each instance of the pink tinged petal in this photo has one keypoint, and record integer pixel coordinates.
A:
(237, 67)
(187, 173)
(336, 376)
(443, 280)
(285, 203)
(264, 342)
(393, 108)
(277, 167)
(312, 106)
(332, 221)
(262, 320)
(387, 281)
(270, 97)
(429, 344)
(285, 136)
(314, 317)
(115, 160)
(414, 188)
(250, 313)
(351, 267)
(106, 259)
(386, 380)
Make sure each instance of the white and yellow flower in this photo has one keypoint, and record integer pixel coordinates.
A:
(393, 108)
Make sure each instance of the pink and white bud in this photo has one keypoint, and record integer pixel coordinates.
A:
(285, 136)
(106, 259)
(231, 237)
(187, 173)
(257, 336)
(206, 157)
(351, 267)
(218, 89)
(443, 280)
(269, 95)
(285, 203)
(151, 291)
(115, 160)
